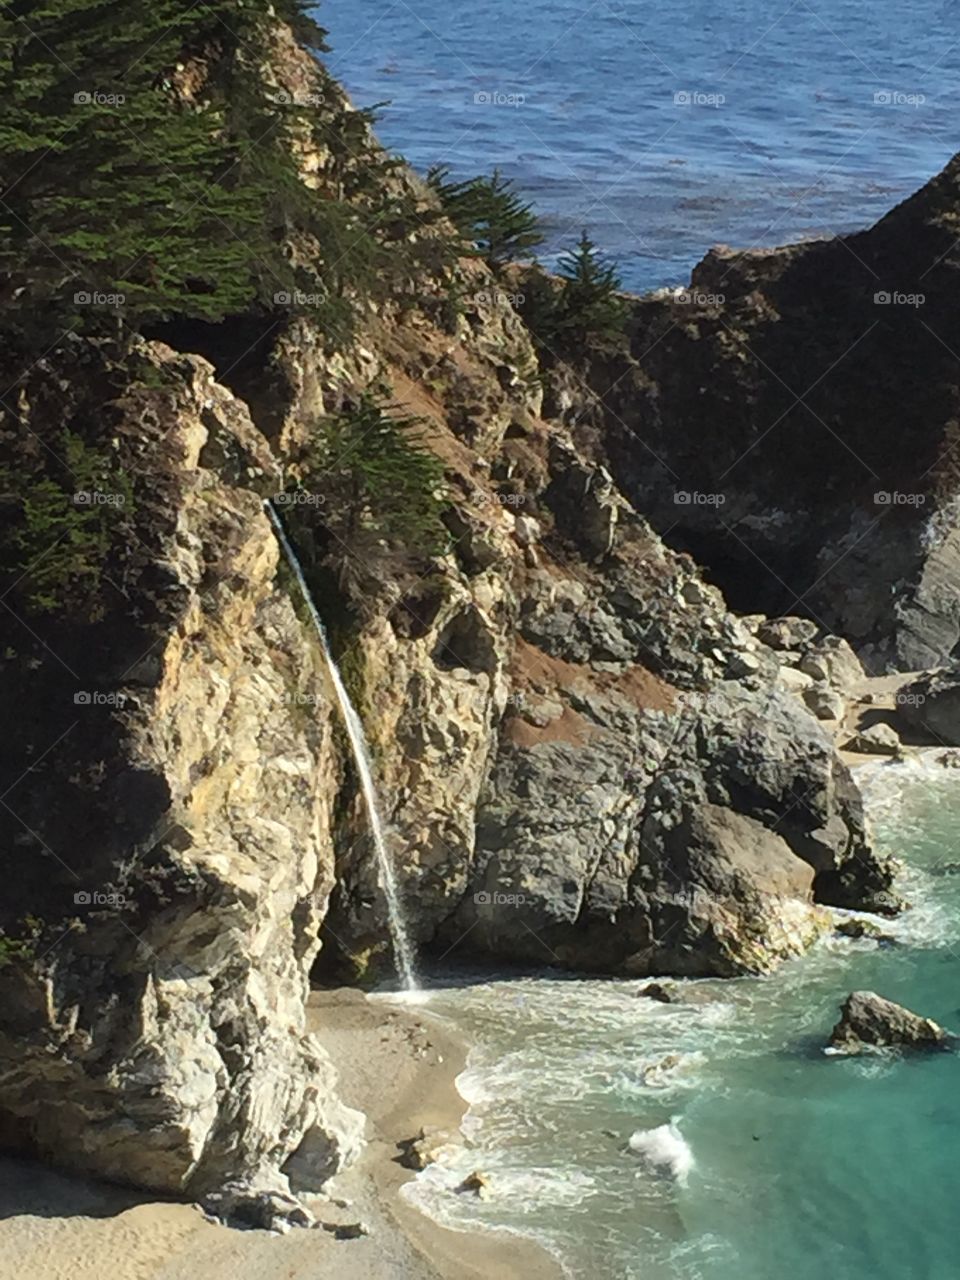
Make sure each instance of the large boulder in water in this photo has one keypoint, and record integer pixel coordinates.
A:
(868, 1020)
(930, 705)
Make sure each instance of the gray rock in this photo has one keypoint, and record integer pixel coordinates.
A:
(267, 1207)
(825, 703)
(743, 664)
(794, 680)
(834, 662)
(877, 740)
(930, 705)
(868, 1020)
(787, 633)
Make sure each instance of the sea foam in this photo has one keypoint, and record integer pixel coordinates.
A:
(663, 1150)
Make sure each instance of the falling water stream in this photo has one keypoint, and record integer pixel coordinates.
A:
(403, 948)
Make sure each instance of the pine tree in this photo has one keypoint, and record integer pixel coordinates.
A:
(489, 214)
(375, 475)
(589, 305)
(113, 186)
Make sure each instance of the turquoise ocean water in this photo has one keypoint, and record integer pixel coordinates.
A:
(805, 1166)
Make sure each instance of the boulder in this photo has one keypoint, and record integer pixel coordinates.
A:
(428, 1147)
(787, 633)
(834, 662)
(655, 991)
(930, 705)
(476, 1183)
(869, 1021)
(877, 740)
(825, 703)
(794, 680)
(856, 928)
(265, 1205)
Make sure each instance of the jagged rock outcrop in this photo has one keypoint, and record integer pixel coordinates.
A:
(168, 799)
(930, 706)
(791, 420)
(869, 1021)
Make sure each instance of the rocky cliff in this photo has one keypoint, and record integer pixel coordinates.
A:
(585, 758)
(791, 418)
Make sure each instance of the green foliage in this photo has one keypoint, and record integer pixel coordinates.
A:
(489, 214)
(377, 478)
(586, 305)
(118, 185)
(72, 509)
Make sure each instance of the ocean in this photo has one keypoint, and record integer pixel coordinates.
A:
(803, 1165)
(664, 128)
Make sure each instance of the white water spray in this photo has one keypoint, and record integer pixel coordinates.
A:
(403, 949)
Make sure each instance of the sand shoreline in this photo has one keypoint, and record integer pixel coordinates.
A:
(399, 1066)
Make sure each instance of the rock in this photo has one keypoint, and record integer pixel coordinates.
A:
(834, 662)
(657, 1074)
(346, 1230)
(930, 705)
(794, 680)
(869, 1021)
(826, 704)
(877, 740)
(655, 991)
(429, 1146)
(477, 1184)
(270, 1208)
(854, 928)
(787, 633)
(814, 665)
(743, 664)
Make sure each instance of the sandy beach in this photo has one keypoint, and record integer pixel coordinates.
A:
(397, 1065)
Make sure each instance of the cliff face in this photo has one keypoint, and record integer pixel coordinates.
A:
(585, 758)
(791, 420)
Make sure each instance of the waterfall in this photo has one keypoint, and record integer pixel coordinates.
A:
(403, 949)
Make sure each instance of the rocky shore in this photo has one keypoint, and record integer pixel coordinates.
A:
(398, 1066)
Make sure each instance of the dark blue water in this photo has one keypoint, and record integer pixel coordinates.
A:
(781, 136)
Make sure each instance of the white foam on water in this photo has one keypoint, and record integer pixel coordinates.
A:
(663, 1150)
